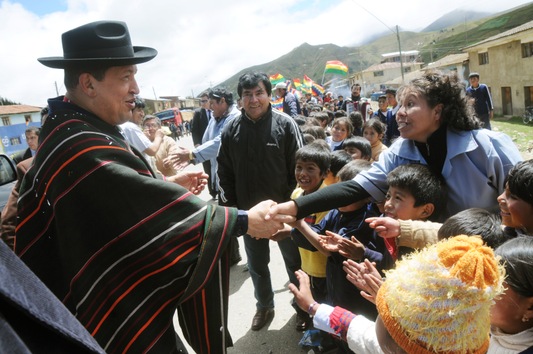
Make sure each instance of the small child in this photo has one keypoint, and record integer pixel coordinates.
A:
(516, 205)
(347, 222)
(312, 165)
(340, 130)
(358, 147)
(339, 159)
(516, 202)
(374, 131)
(415, 193)
(322, 117)
(437, 300)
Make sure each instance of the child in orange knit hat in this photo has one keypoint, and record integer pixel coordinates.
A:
(434, 301)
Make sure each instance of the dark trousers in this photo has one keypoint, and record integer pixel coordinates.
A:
(258, 254)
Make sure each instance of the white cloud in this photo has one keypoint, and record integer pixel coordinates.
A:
(200, 42)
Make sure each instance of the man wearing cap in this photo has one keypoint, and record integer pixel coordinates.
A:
(291, 106)
(483, 100)
(392, 132)
(120, 248)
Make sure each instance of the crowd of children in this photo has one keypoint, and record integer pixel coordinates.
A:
(410, 237)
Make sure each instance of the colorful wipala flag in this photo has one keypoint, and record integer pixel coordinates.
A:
(318, 90)
(278, 104)
(276, 78)
(297, 84)
(308, 82)
(336, 67)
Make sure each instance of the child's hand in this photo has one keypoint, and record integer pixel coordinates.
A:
(296, 224)
(330, 241)
(351, 249)
(365, 277)
(282, 234)
(385, 227)
(303, 295)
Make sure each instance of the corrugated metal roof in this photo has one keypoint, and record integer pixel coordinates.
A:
(526, 26)
(385, 66)
(18, 109)
(449, 60)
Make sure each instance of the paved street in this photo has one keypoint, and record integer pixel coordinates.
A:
(278, 337)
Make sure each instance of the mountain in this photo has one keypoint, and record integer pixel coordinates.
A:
(443, 37)
(453, 18)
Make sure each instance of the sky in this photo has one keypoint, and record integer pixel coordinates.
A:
(200, 44)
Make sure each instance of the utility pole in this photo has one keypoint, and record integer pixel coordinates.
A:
(155, 96)
(400, 47)
(57, 91)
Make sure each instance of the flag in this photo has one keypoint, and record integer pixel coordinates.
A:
(276, 78)
(308, 82)
(336, 67)
(278, 104)
(297, 84)
(289, 86)
(318, 90)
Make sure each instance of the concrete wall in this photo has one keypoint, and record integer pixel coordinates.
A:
(506, 68)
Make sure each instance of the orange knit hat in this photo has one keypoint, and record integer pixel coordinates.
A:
(438, 300)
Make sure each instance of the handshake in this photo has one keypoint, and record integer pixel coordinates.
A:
(267, 218)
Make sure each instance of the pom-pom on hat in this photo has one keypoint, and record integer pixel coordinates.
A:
(438, 300)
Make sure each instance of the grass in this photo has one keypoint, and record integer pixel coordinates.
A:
(521, 134)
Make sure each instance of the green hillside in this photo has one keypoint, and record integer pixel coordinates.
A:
(311, 60)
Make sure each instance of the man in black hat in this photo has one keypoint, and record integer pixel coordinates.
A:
(483, 100)
(121, 249)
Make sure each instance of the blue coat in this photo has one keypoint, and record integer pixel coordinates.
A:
(475, 168)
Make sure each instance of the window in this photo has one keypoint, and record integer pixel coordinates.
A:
(378, 73)
(483, 58)
(14, 140)
(6, 121)
(527, 50)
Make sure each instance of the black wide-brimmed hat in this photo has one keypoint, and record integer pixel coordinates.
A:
(99, 42)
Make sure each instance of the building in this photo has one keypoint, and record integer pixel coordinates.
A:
(14, 120)
(376, 77)
(505, 64)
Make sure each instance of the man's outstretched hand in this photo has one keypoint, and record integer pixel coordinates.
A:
(262, 227)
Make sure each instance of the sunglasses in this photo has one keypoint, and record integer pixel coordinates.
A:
(203, 101)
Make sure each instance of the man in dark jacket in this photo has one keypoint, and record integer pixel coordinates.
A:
(483, 100)
(256, 161)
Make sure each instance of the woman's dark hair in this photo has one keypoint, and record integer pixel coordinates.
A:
(446, 89)
(218, 93)
(517, 257)
(139, 103)
(475, 221)
(251, 80)
(519, 180)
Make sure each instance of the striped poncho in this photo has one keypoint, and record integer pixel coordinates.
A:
(120, 248)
